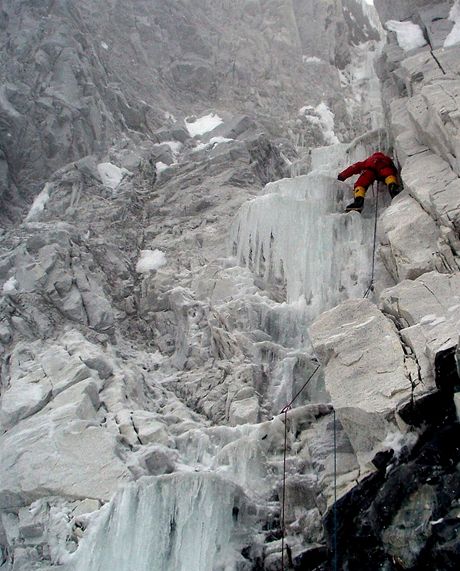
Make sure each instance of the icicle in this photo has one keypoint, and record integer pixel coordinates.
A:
(179, 522)
(296, 236)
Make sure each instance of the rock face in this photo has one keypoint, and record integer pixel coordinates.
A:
(77, 77)
(365, 372)
(168, 286)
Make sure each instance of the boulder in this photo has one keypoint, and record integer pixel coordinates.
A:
(93, 356)
(61, 451)
(364, 372)
(244, 411)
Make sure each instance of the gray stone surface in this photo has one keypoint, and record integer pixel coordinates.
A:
(427, 310)
(364, 372)
(103, 71)
(109, 375)
(413, 243)
(68, 454)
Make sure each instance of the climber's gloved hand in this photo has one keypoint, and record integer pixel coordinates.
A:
(340, 177)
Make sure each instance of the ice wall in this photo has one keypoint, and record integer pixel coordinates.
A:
(297, 236)
(183, 522)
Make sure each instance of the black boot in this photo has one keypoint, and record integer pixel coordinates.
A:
(393, 189)
(356, 205)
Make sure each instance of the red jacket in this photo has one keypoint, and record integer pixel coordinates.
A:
(379, 163)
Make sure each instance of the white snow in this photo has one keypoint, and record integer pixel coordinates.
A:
(311, 59)
(10, 286)
(212, 142)
(408, 34)
(203, 124)
(39, 203)
(454, 35)
(327, 120)
(161, 167)
(322, 116)
(111, 175)
(396, 441)
(175, 147)
(104, 45)
(150, 260)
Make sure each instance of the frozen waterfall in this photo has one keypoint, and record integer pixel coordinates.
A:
(183, 522)
(297, 236)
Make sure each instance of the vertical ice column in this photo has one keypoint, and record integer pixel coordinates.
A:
(179, 522)
(297, 235)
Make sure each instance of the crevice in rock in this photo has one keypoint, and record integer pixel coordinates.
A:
(428, 41)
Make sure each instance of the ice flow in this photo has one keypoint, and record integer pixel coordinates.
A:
(182, 522)
(296, 236)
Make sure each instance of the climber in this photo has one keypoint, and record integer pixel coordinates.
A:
(376, 167)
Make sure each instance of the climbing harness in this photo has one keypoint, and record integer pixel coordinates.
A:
(375, 194)
(285, 411)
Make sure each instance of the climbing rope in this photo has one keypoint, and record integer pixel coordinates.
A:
(376, 201)
(285, 411)
(283, 526)
(334, 542)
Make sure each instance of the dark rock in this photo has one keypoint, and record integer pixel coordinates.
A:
(446, 372)
(436, 409)
(310, 559)
(391, 517)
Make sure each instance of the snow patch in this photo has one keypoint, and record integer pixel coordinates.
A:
(10, 286)
(322, 116)
(161, 167)
(454, 35)
(213, 142)
(111, 175)
(39, 203)
(311, 59)
(203, 124)
(396, 441)
(150, 260)
(408, 34)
